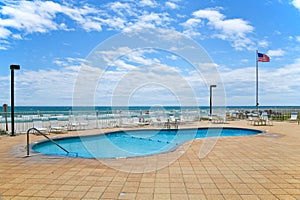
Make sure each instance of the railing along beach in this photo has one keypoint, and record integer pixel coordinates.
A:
(94, 119)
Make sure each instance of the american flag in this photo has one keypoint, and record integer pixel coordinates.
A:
(262, 57)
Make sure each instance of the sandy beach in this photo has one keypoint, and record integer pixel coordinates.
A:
(265, 166)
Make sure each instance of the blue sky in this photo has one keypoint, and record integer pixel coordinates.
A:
(52, 40)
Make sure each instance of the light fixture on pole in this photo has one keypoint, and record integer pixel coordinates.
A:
(12, 99)
(210, 99)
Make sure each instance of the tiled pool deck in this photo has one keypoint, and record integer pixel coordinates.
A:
(254, 167)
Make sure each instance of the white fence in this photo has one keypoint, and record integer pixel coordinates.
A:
(78, 120)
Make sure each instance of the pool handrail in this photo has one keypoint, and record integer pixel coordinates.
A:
(39, 132)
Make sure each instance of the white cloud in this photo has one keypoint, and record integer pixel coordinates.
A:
(234, 30)
(298, 38)
(90, 25)
(109, 56)
(171, 5)
(116, 83)
(132, 69)
(148, 21)
(273, 82)
(17, 36)
(278, 52)
(25, 17)
(85, 16)
(192, 32)
(190, 23)
(117, 6)
(32, 17)
(296, 3)
(115, 23)
(210, 14)
(2, 47)
(122, 9)
(233, 27)
(191, 26)
(263, 43)
(38, 16)
(69, 63)
(152, 79)
(44, 86)
(150, 3)
(144, 86)
(52, 87)
(4, 33)
(172, 57)
(4, 44)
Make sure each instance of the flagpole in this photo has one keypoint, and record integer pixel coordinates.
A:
(257, 80)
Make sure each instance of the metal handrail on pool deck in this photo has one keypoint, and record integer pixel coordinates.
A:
(28, 131)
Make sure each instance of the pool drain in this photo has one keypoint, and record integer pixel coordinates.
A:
(122, 193)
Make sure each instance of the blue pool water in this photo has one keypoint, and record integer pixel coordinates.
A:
(132, 143)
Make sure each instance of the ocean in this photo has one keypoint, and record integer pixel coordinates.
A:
(98, 110)
(64, 109)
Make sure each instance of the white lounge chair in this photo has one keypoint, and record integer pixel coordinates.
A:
(155, 121)
(256, 120)
(294, 117)
(129, 122)
(250, 119)
(140, 121)
(83, 122)
(217, 119)
(55, 127)
(38, 124)
(73, 124)
(264, 116)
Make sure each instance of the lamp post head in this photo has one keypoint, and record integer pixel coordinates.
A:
(15, 67)
(4, 107)
(213, 86)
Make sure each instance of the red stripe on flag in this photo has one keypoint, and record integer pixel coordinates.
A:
(262, 57)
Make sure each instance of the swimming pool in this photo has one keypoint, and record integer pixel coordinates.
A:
(132, 143)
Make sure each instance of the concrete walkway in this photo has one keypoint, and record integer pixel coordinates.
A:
(264, 166)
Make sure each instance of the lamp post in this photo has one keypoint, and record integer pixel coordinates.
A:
(12, 97)
(210, 99)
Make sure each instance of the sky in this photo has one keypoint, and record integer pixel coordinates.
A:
(139, 52)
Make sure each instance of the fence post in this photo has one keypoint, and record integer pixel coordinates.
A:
(5, 116)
